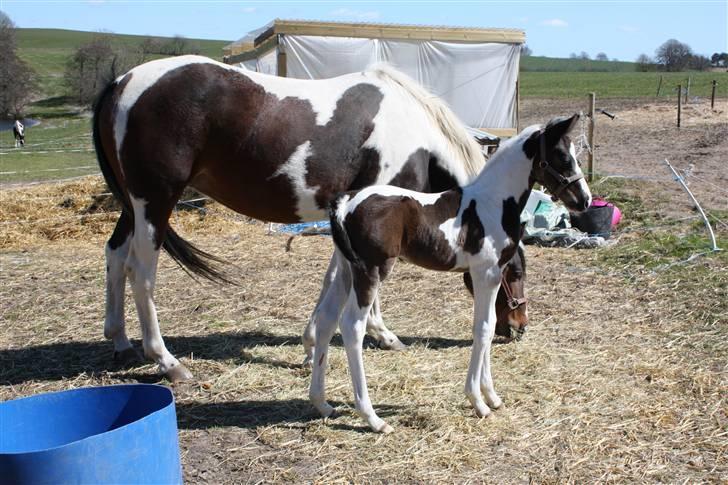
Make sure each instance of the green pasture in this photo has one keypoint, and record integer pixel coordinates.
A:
(619, 84)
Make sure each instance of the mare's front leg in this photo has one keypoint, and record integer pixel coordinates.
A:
(486, 281)
(353, 327)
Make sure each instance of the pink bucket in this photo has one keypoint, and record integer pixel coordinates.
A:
(616, 213)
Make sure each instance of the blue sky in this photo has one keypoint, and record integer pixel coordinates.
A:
(621, 29)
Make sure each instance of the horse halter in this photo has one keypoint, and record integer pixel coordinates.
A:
(513, 303)
(562, 181)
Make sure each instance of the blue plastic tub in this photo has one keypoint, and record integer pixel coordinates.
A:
(112, 434)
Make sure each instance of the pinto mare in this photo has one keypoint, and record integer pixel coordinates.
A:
(272, 148)
(475, 228)
(19, 134)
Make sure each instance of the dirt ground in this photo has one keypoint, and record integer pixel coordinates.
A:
(621, 377)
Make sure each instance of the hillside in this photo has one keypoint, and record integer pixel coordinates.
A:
(48, 50)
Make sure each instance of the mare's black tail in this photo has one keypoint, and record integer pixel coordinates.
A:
(190, 258)
(339, 234)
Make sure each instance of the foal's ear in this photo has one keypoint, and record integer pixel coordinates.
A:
(558, 127)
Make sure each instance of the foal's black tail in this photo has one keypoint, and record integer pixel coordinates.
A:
(189, 257)
(339, 234)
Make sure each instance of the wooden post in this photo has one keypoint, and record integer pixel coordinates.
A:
(518, 105)
(659, 87)
(590, 162)
(712, 95)
(679, 103)
(687, 91)
(282, 68)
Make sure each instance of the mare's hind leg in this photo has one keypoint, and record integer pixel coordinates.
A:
(141, 267)
(117, 251)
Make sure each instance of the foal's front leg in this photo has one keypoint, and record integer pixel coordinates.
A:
(485, 286)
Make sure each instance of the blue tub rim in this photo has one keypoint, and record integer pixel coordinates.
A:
(119, 429)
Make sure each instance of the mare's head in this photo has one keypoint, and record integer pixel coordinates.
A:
(555, 165)
(510, 305)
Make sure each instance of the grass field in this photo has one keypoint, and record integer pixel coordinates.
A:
(619, 84)
(543, 64)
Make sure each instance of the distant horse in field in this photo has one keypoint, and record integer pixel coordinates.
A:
(19, 134)
(475, 228)
(276, 149)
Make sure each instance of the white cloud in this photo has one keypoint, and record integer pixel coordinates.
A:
(349, 14)
(628, 28)
(555, 23)
(249, 10)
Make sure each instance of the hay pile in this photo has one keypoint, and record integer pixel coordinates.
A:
(622, 376)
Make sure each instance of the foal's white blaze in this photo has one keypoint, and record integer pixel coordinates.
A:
(582, 182)
(295, 170)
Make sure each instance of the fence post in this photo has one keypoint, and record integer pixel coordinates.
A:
(659, 87)
(712, 95)
(679, 103)
(687, 91)
(590, 165)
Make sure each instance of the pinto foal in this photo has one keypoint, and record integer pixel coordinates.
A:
(475, 228)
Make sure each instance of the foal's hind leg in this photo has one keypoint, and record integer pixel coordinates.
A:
(353, 325)
(141, 266)
(117, 251)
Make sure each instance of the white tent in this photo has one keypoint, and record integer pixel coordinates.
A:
(474, 70)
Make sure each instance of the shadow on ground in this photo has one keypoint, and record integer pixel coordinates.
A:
(68, 359)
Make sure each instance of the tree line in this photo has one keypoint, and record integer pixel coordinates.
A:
(673, 56)
(97, 62)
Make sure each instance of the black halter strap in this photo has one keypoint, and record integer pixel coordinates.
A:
(563, 182)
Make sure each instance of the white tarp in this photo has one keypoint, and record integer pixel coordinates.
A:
(267, 63)
(478, 81)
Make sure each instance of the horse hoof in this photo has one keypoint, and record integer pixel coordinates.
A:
(179, 373)
(395, 345)
(128, 357)
(386, 429)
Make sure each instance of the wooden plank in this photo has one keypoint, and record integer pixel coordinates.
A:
(391, 31)
(501, 132)
(254, 53)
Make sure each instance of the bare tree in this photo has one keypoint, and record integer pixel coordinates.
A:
(90, 68)
(584, 56)
(645, 63)
(17, 79)
(526, 51)
(673, 55)
(602, 57)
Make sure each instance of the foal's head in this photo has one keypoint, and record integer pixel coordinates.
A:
(555, 165)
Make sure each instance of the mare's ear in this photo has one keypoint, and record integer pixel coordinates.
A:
(557, 128)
